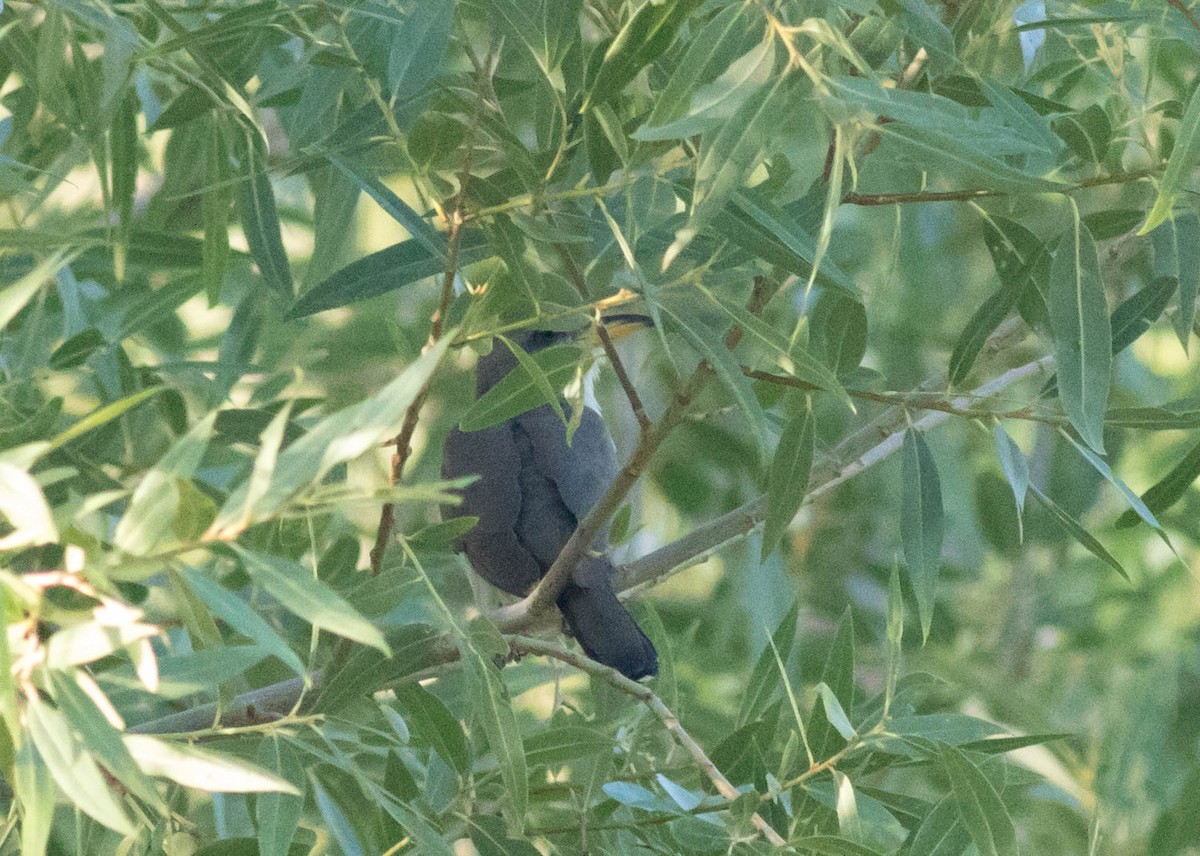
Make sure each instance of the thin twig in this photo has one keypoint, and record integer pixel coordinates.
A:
(1187, 13)
(519, 615)
(614, 359)
(402, 443)
(527, 645)
(965, 195)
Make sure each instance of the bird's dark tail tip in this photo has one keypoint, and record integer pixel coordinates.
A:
(606, 631)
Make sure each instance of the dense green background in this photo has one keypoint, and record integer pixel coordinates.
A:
(224, 230)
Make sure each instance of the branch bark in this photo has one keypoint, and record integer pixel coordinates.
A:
(643, 693)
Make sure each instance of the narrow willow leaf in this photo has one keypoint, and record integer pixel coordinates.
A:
(260, 221)
(716, 102)
(294, 586)
(834, 712)
(1137, 312)
(75, 351)
(397, 208)
(384, 271)
(1082, 334)
(235, 612)
(102, 416)
(804, 365)
(730, 152)
(1135, 502)
(278, 814)
(644, 38)
(1177, 259)
(559, 744)
(519, 392)
(203, 769)
(429, 718)
(838, 676)
(547, 392)
(26, 512)
(941, 833)
(838, 332)
(713, 48)
(33, 788)
(773, 234)
(922, 523)
(980, 326)
(895, 636)
(727, 369)
(214, 211)
(979, 806)
(789, 477)
(1076, 531)
(1179, 165)
(336, 439)
(494, 710)
(337, 821)
(1169, 489)
(102, 738)
(73, 768)
(14, 296)
(1015, 467)
(423, 833)
(764, 679)
(831, 845)
(123, 146)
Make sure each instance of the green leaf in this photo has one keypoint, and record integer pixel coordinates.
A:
(101, 736)
(895, 636)
(1177, 259)
(278, 814)
(1082, 334)
(336, 439)
(75, 351)
(789, 477)
(830, 845)
(520, 391)
(237, 614)
(1135, 502)
(834, 712)
(941, 833)
(644, 38)
(922, 522)
(1179, 165)
(261, 224)
(397, 208)
(1076, 531)
(712, 49)
(774, 235)
(14, 296)
(715, 103)
(838, 331)
(33, 788)
(294, 586)
(492, 706)
(731, 151)
(73, 768)
(1016, 470)
(203, 769)
(710, 346)
(429, 718)
(547, 392)
(764, 679)
(980, 326)
(102, 416)
(838, 676)
(1168, 490)
(27, 515)
(559, 744)
(214, 212)
(979, 806)
(384, 271)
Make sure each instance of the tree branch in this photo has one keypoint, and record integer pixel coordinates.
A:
(703, 541)
(643, 693)
(403, 441)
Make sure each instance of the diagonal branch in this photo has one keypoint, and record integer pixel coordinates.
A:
(544, 595)
(527, 645)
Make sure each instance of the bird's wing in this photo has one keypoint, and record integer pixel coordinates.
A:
(582, 471)
(493, 547)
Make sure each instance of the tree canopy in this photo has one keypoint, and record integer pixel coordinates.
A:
(906, 495)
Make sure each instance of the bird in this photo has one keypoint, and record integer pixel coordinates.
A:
(533, 488)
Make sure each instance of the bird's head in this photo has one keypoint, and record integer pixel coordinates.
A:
(495, 365)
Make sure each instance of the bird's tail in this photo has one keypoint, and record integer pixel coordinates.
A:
(605, 629)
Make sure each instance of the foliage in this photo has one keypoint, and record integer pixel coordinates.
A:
(962, 232)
